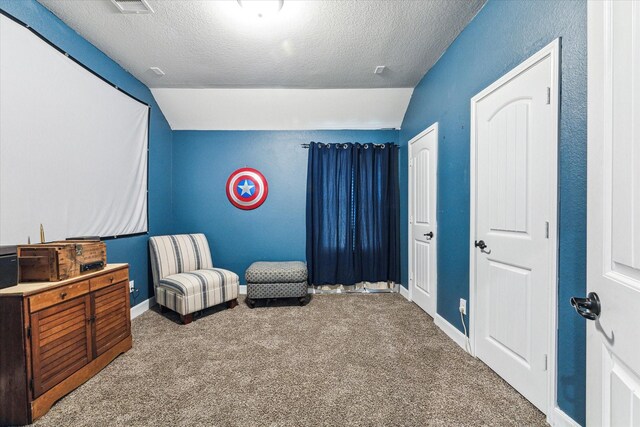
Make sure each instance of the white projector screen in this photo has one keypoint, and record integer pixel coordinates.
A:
(73, 148)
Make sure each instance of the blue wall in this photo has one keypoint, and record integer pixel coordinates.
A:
(132, 250)
(202, 162)
(501, 36)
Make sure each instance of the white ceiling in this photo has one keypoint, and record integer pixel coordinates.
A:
(308, 45)
(277, 109)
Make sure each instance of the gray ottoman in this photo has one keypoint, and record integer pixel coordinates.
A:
(276, 280)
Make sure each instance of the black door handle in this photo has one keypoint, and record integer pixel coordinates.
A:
(483, 246)
(429, 235)
(588, 307)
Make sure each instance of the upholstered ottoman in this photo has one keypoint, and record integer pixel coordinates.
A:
(276, 280)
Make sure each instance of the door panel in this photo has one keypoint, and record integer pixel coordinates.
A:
(514, 143)
(623, 387)
(422, 267)
(508, 328)
(112, 316)
(613, 213)
(508, 162)
(422, 191)
(423, 155)
(60, 342)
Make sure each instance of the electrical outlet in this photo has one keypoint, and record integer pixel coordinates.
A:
(132, 286)
(463, 306)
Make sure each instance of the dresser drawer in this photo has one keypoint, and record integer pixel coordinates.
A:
(55, 296)
(109, 279)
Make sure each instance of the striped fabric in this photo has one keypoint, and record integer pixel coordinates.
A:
(179, 253)
(197, 290)
(183, 274)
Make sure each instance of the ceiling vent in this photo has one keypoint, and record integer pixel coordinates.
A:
(133, 6)
(379, 69)
(157, 71)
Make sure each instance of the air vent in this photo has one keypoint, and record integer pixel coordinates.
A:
(157, 71)
(379, 69)
(133, 6)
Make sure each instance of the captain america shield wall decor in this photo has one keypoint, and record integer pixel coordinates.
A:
(247, 188)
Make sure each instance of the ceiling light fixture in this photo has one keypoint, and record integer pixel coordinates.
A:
(261, 8)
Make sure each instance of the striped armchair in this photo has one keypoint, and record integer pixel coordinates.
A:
(184, 278)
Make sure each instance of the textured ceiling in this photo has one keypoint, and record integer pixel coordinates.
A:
(309, 44)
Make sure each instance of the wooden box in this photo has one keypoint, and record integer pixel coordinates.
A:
(51, 262)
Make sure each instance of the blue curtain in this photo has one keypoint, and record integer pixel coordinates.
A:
(353, 209)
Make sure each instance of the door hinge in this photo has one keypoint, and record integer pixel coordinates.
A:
(548, 95)
(546, 229)
(546, 358)
(411, 219)
(29, 331)
(410, 162)
(31, 384)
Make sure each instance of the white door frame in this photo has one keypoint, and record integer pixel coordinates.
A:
(432, 128)
(552, 50)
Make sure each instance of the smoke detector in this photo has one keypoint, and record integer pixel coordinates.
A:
(379, 69)
(133, 6)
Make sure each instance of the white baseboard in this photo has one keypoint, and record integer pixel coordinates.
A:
(404, 292)
(142, 307)
(559, 418)
(451, 331)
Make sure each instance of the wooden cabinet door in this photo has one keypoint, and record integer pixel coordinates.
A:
(60, 342)
(112, 321)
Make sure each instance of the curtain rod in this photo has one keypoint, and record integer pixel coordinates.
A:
(306, 145)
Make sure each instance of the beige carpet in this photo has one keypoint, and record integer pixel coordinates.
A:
(342, 360)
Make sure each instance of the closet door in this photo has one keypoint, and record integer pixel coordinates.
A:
(423, 188)
(60, 342)
(514, 130)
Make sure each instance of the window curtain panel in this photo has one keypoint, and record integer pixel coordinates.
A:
(353, 213)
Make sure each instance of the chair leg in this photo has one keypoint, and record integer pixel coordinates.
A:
(186, 318)
(232, 303)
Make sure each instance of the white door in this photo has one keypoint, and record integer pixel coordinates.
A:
(423, 165)
(613, 213)
(514, 151)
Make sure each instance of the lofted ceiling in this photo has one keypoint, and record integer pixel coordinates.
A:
(308, 45)
(279, 109)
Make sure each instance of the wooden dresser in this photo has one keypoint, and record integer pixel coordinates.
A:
(54, 336)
